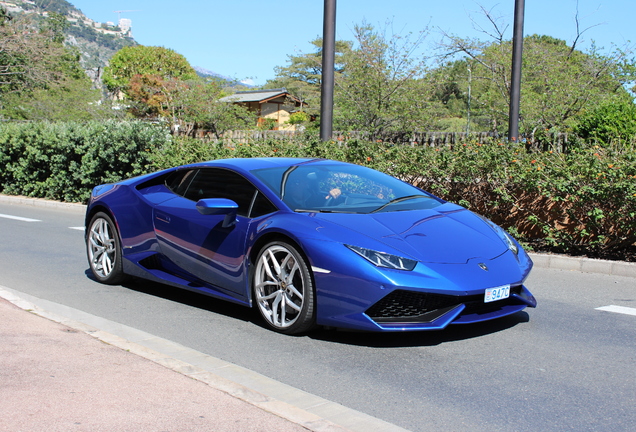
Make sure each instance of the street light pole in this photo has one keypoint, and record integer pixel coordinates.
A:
(515, 84)
(328, 65)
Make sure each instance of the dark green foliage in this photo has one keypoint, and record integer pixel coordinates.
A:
(582, 202)
(64, 161)
(145, 60)
(4, 16)
(611, 122)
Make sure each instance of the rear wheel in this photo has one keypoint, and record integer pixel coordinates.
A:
(283, 289)
(104, 250)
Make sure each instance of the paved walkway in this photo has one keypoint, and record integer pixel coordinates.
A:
(56, 378)
(64, 370)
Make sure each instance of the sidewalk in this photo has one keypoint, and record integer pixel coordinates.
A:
(55, 378)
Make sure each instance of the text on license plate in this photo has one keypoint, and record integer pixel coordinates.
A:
(497, 293)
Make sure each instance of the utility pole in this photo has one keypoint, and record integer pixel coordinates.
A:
(515, 84)
(328, 66)
(470, 83)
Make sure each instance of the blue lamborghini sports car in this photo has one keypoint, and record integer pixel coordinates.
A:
(308, 242)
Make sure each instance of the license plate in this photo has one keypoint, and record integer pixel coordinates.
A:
(497, 293)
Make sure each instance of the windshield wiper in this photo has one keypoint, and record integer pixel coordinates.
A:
(300, 210)
(397, 200)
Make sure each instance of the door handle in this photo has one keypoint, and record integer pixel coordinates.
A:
(162, 217)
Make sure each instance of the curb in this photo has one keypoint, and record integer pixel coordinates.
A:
(551, 261)
(585, 265)
(40, 202)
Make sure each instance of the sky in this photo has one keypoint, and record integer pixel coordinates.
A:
(247, 39)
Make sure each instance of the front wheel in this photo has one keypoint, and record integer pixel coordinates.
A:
(283, 289)
(104, 250)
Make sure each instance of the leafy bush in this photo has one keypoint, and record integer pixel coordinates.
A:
(611, 122)
(582, 202)
(267, 123)
(63, 161)
(298, 117)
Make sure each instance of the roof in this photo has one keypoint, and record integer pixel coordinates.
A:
(260, 96)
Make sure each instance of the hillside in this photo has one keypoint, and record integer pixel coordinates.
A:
(96, 42)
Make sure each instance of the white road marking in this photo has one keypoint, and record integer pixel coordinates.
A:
(618, 309)
(77, 228)
(23, 219)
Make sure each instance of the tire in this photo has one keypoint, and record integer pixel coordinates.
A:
(103, 249)
(283, 289)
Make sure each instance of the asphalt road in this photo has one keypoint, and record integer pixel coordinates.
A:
(563, 366)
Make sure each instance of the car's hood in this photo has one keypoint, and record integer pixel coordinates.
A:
(446, 234)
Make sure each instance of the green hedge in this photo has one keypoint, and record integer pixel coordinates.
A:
(63, 161)
(582, 202)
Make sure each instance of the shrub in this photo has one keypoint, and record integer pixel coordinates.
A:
(298, 117)
(63, 161)
(611, 122)
(581, 202)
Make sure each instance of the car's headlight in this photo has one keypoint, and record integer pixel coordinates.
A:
(511, 243)
(508, 240)
(381, 259)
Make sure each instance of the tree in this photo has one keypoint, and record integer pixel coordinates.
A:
(28, 57)
(4, 16)
(302, 77)
(381, 87)
(56, 25)
(153, 96)
(192, 104)
(378, 84)
(559, 82)
(39, 77)
(74, 100)
(450, 85)
(145, 60)
(613, 121)
(62, 7)
(197, 105)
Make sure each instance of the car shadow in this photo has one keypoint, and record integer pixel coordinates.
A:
(451, 333)
(188, 298)
(340, 336)
(193, 299)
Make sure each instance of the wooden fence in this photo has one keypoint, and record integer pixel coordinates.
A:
(558, 141)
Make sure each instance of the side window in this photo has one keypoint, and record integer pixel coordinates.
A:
(262, 206)
(221, 183)
(179, 181)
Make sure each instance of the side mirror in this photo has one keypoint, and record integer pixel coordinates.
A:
(219, 206)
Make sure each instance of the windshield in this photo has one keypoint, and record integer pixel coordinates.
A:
(343, 189)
